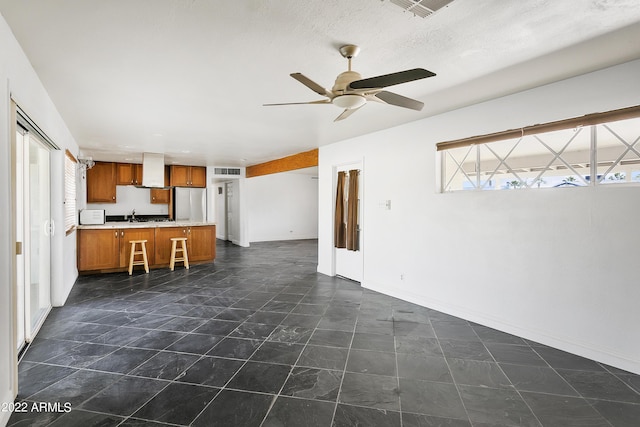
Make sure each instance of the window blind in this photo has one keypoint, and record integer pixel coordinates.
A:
(70, 213)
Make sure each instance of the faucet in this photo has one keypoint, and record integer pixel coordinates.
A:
(133, 215)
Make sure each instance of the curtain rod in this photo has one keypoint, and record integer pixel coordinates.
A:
(586, 120)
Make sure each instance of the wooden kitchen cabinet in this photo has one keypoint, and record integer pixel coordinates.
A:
(106, 249)
(163, 242)
(198, 176)
(98, 249)
(110, 249)
(101, 183)
(128, 234)
(201, 242)
(128, 174)
(188, 176)
(159, 195)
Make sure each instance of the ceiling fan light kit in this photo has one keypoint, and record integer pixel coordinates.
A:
(349, 101)
(351, 92)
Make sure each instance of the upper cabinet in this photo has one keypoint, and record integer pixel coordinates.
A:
(160, 195)
(101, 183)
(129, 174)
(188, 176)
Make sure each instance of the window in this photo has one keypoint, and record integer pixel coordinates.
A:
(561, 155)
(70, 214)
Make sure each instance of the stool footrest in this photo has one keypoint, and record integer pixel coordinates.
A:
(174, 249)
(144, 261)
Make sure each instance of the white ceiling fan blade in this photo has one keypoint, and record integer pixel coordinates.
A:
(322, 101)
(399, 100)
(347, 113)
(311, 84)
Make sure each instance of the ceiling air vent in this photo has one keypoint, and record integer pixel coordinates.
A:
(226, 171)
(422, 8)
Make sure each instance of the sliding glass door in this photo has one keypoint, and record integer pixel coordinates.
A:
(34, 229)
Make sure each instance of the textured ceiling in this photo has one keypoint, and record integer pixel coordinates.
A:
(188, 77)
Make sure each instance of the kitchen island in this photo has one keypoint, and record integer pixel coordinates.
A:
(106, 248)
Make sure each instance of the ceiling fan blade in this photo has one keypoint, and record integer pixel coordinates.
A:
(311, 84)
(322, 101)
(347, 113)
(399, 100)
(391, 79)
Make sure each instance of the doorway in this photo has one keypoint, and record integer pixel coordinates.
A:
(34, 229)
(349, 263)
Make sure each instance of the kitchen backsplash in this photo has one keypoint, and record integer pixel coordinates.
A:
(129, 198)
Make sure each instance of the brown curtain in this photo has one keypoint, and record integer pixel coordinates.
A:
(353, 229)
(339, 235)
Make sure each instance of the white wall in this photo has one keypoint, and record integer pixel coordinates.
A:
(129, 198)
(19, 80)
(283, 206)
(558, 266)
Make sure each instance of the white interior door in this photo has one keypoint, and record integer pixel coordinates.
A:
(349, 264)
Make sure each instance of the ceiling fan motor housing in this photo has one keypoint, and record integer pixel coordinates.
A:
(343, 81)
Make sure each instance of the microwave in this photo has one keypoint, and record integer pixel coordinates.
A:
(92, 216)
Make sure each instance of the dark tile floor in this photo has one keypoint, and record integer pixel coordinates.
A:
(260, 339)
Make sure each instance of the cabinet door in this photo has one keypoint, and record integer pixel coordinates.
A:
(137, 176)
(128, 234)
(198, 176)
(98, 249)
(128, 174)
(163, 243)
(159, 196)
(180, 176)
(101, 183)
(125, 174)
(201, 243)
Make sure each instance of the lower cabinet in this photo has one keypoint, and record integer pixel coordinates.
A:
(128, 234)
(109, 249)
(201, 242)
(100, 249)
(163, 242)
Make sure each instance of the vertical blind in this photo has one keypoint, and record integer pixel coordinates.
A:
(70, 217)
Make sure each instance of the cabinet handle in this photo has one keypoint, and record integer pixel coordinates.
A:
(116, 234)
(184, 231)
(122, 234)
(113, 198)
(189, 230)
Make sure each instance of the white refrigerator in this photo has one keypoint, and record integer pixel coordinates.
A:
(190, 204)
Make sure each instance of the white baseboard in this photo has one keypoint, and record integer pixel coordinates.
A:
(588, 350)
(7, 397)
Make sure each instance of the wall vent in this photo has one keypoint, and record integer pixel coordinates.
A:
(421, 8)
(227, 171)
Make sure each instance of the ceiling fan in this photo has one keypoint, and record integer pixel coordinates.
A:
(352, 92)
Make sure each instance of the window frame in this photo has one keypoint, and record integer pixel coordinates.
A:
(70, 192)
(585, 123)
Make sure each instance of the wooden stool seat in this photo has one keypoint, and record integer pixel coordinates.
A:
(143, 251)
(174, 248)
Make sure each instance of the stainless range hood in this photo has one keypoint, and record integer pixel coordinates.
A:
(153, 170)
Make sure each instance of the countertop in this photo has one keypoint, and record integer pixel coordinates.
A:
(147, 224)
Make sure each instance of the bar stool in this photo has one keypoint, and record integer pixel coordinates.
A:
(183, 249)
(142, 252)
